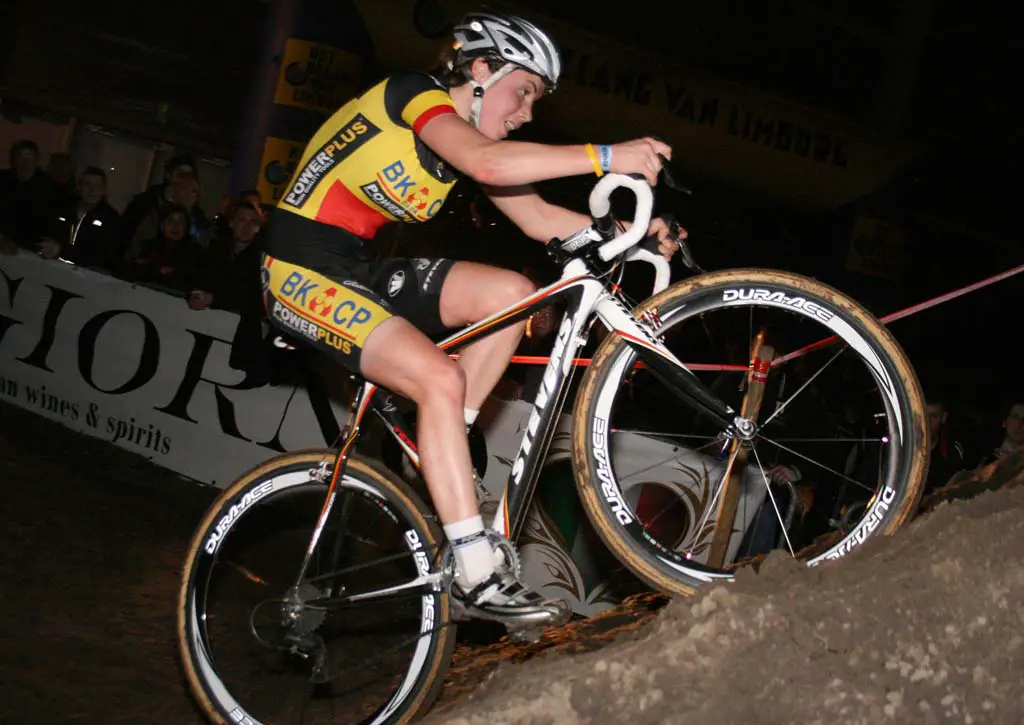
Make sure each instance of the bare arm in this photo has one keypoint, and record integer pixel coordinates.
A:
(501, 163)
(537, 218)
(543, 221)
(516, 163)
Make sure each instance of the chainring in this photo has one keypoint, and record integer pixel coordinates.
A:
(508, 551)
(509, 557)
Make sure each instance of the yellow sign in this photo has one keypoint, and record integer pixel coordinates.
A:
(280, 157)
(877, 248)
(747, 139)
(315, 76)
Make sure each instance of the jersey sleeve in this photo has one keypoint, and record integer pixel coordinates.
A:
(413, 99)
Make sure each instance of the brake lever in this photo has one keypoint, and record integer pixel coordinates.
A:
(670, 181)
(675, 230)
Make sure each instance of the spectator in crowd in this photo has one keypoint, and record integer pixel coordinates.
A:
(220, 222)
(86, 231)
(61, 168)
(185, 193)
(29, 199)
(947, 454)
(154, 202)
(169, 259)
(182, 192)
(229, 274)
(1013, 439)
(229, 279)
(252, 196)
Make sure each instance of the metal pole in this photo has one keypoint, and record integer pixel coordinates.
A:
(254, 125)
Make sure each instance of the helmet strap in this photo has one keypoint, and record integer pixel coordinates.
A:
(479, 88)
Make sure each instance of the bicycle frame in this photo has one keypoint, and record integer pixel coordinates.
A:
(587, 298)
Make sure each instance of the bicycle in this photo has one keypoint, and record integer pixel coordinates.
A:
(361, 537)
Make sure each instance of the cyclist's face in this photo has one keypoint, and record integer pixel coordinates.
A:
(508, 104)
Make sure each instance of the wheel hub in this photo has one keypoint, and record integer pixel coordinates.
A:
(745, 428)
(296, 615)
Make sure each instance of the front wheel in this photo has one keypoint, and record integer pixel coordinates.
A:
(842, 417)
(363, 637)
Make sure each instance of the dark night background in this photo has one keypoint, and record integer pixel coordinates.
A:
(112, 64)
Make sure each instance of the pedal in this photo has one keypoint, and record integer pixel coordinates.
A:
(462, 611)
(526, 636)
(459, 612)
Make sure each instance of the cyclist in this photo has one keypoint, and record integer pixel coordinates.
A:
(393, 154)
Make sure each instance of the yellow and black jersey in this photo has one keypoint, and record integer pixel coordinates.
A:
(367, 166)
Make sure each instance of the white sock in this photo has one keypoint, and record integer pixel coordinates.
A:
(470, 416)
(473, 554)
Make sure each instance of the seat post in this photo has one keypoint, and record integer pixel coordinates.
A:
(357, 410)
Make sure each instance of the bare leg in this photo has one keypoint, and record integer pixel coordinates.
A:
(404, 360)
(472, 292)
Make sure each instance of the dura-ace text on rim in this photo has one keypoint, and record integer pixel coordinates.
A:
(768, 289)
(231, 511)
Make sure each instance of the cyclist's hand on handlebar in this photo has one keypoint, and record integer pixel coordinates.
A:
(668, 236)
(640, 156)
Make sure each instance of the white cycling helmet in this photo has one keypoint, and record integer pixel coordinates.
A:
(518, 42)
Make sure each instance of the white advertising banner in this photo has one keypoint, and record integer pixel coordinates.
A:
(137, 368)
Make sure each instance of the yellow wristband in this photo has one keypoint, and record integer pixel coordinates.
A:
(593, 159)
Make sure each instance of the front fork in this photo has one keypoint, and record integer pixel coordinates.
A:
(642, 335)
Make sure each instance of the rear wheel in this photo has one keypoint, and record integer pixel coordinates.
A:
(843, 415)
(259, 647)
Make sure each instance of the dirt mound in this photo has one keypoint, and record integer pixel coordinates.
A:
(921, 628)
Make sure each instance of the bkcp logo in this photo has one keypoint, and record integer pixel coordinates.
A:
(323, 303)
(306, 294)
(412, 196)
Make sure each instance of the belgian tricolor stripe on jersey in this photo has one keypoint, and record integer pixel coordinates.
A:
(425, 107)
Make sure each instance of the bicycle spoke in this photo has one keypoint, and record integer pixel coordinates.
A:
(389, 651)
(883, 439)
(658, 434)
(775, 505)
(300, 694)
(814, 462)
(648, 468)
(782, 406)
(714, 499)
(359, 567)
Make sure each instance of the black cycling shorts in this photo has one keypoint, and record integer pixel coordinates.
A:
(334, 307)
